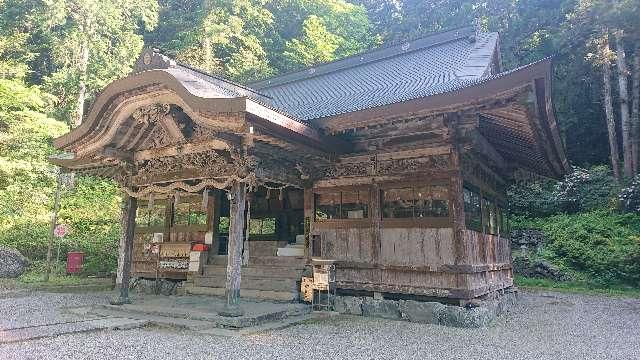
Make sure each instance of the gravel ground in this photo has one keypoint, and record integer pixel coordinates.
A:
(42, 308)
(542, 326)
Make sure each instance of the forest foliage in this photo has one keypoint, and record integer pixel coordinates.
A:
(56, 55)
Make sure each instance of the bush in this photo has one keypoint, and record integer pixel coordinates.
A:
(603, 245)
(586, 190)
(630, 197)
(91, 212)
(532, 198)
(581, 190)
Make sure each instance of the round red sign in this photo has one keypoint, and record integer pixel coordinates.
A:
(60, 230)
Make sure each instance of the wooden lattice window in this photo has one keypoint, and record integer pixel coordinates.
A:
(189, 213)
(426, 201)
(347, 204)
(153, 216)
(490, 216)
(263, 226)
(472, 209)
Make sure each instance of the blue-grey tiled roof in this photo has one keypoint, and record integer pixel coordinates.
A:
(439, 63)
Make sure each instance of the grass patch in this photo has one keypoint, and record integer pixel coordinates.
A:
(579, 287)
(34, 277)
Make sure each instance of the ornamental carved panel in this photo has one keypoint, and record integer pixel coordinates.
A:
(207, 162)
(398, 166)
(350, 169)
(151, 114)
(388, 167)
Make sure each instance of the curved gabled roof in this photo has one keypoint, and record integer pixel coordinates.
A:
(433, 64)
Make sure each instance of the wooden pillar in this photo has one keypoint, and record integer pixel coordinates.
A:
(128, 230)
(456, 191)
(308, 219)
(376, 216)
(216, 197)
(234, 257)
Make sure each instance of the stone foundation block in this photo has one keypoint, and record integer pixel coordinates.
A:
(421, 312)
(387, 309)
(456, 316)
(351, 305)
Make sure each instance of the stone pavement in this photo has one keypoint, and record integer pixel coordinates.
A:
(37, 315)
(30, 315)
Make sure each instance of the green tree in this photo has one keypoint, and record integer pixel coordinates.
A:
(225, 37)
(307, 32)
(316, 44)
(26, 132)
(92, 42)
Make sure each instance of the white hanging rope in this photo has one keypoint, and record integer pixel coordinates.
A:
(181, 185)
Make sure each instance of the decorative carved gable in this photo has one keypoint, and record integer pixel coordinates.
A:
(158, 137)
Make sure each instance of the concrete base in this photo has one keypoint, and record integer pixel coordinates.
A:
(69, 327)
(245, 293)
(203, 312)
(479, 313)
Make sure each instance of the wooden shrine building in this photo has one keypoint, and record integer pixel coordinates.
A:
(393, 163)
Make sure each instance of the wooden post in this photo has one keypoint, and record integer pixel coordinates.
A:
(456, 192)
(376, 216)
(129, 214)
(215, 222)
(234, 257)
(308, 218)
(123, 241)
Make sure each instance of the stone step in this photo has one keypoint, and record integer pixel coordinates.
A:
(292, 261)
(249, 282)
(244, 293)
(291, 251)
(288, 261)
(262, 271)
(218, 260)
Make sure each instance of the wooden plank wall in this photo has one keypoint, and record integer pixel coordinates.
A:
(410, 257)
(416, 246)
(350, 244)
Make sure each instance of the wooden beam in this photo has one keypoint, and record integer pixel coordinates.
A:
(234, 257)
(483, 147)
(188, 148)
(110, 152)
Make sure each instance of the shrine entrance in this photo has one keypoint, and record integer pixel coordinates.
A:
(186, 237)
(214, 178)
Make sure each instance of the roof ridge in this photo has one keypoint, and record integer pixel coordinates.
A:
(377, 54)
(232, 85)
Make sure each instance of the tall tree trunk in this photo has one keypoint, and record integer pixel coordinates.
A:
(611, 121)
(83, 64)
(623, 73)
(635, 109)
